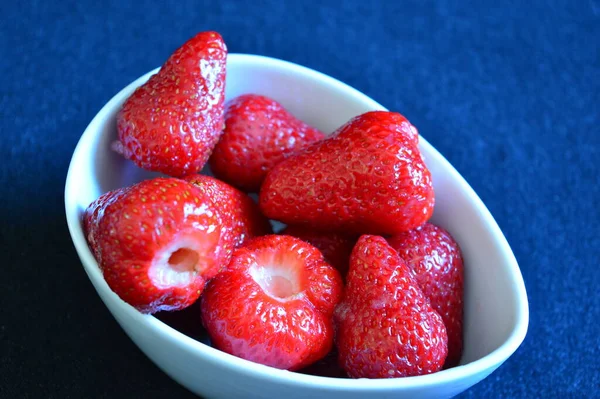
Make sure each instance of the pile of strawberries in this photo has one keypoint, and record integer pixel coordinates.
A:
(358, 266)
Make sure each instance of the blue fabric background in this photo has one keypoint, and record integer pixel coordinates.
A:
(508, 91)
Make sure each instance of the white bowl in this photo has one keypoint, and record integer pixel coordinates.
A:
(496, 308)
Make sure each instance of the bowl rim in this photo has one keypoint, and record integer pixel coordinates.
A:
(255, 370)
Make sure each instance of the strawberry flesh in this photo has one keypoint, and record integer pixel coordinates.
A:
(369, 177)
(386, 327)
(273, 304)
(159, 242)
(259, 133)
(171, 123)
(436, 260)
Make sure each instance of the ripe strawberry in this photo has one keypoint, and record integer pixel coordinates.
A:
(259, 133)
(172, 122)
(244, 219)
(437, 263)
(273, 304)
(368, 178)
(159, 241)
(335, 247)
(385, 325)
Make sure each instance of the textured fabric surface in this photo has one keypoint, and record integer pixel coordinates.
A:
(508, 91)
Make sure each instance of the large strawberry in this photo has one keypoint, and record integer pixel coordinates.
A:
(259, 133)
(274, 303)
(368, 178)
(171, 123)
(158, 242)
(386, 326)
(243, 219)
(335, 247)
(437, 262)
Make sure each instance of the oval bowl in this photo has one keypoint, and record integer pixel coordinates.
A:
(496, 308)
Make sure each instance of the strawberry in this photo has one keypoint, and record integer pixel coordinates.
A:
(243, 214)
(158, 241)
(369, 177)
(171, 123)
(274, 303)
(436, 260)
(335, 247)
(385, 325)
(259, 133)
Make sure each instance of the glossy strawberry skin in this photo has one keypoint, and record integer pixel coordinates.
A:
(335, 247)
(171, 123)
(244, 218)
(386, 327)
(437, 263)
(138, 232)
(259, 133)
(243, 319)
(92, 216)
(368, 178)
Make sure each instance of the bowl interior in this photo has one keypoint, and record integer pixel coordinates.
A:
(496, 313)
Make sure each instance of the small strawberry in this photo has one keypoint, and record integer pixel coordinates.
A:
(171, 123)
(259, 133)
(274, 303)
(436, 260)
(385, 325)
(243, 214)
(335, 247)
(159, 241)
(369, 177)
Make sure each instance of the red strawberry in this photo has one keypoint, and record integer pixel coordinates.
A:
(159, 242)
(335, 247)
(172, 122)
(436, 260)
(259, 133)
(274, 303)
(368, 178)
(243, 214)
(385, 325)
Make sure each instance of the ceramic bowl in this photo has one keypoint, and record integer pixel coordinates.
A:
(496, 307)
